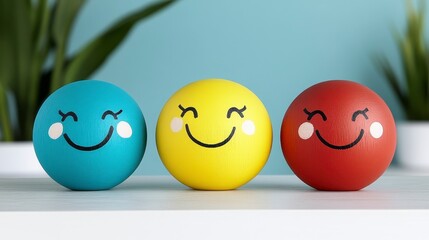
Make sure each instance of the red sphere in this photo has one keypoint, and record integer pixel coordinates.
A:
(338, 135)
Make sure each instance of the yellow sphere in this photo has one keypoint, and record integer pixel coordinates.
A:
(214, 134)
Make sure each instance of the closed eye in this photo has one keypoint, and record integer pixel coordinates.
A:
(360, 112)
(238, 111)
(110, 112)
(185, 110)
(68, 114)
(311, 114)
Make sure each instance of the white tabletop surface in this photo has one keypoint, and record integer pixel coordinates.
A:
(267, 207)
(164, 193)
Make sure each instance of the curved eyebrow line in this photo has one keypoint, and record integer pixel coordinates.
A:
(363, 112)
(184, 110)
(234, 109)
(110, 112)
(311, 114)
(65, 115)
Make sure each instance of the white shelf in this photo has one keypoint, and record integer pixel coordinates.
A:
(397, 205)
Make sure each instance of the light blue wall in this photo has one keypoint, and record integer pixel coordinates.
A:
(275, 48)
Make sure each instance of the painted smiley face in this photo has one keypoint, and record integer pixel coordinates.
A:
(176, 124)
(338, 135)
(214, 135)
(306, 129)
(89, 135)
(124, 130)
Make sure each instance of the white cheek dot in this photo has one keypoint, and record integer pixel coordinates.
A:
(305, 130)
(176, 124)
(55, 130)
(124, 129)
(248, 127)
(376, 130)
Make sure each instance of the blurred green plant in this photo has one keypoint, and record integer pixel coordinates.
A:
(412, 90)
(32, 30)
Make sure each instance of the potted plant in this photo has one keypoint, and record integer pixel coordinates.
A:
(412, 90)
(30, 31)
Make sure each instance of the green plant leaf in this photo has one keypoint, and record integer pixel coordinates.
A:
(7, 56)
(5, 124)
(65, 12)
(15, 18)
(29, 31)
(93, 55)
(42, 14)
(16, 52)
(393, 80)
(415, 65)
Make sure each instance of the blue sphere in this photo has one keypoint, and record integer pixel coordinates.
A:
(89, 135)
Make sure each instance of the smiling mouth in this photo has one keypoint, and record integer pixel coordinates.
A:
(209, 145)
(90, 148)
(343, 147)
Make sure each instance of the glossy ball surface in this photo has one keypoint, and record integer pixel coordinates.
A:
(89, 135)
(214, 134)
(338, 135)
